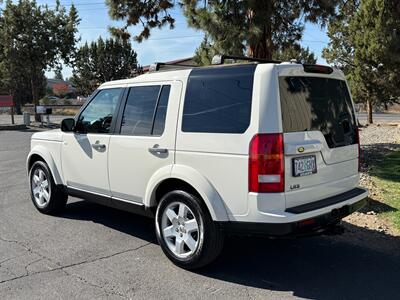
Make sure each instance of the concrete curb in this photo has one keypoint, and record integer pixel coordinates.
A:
(13, 127)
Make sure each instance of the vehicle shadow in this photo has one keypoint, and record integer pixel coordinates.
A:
(324, 267)
(360, 264)
(132, 224)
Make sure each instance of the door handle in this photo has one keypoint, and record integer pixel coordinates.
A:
(98, 146)
(157, 150)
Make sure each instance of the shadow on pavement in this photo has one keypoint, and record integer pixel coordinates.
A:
(350, 266)
(324, 267)
(125, 222)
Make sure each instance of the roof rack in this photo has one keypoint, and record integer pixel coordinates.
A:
(220, 59)
(157, 66)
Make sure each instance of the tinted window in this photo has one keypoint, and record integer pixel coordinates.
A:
(161, 112)
(322, 104)
(97, 116)
(139, 110)
(218, 100)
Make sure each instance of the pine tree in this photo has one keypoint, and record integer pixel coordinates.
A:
(150, 14)
(260, 28)
(102, 61)
(365, 43)
(58, 72)
(205, 52)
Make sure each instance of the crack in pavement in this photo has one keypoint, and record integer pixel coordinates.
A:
(63, 267)
(31, 263)
(87, 282)
(27, 248)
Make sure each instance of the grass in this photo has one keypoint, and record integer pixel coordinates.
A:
(386, 174)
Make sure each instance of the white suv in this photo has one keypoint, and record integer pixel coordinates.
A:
(256, 148)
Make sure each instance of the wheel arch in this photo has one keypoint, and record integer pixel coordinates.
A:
(189, 179)
(40, 153)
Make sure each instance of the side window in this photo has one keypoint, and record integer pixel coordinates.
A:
(97, 116)
(161, 112)
(218, 100)
(145, 110)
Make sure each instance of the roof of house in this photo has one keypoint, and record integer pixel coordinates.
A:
(51, 82)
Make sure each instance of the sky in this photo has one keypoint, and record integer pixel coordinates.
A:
(164, 44)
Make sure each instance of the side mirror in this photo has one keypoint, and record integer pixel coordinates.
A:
(68, 125)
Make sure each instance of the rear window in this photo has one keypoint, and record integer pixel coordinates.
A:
(318, 104)
(218, 100)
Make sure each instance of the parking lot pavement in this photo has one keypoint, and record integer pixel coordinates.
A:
(96, 252)
(380, 117)
(5, 119)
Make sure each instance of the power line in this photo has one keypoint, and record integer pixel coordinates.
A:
(315, 41)
(174, 37)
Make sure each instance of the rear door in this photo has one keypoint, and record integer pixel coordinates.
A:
(145, 140)
(320, 134)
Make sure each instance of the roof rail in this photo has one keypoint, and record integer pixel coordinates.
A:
(220, 59)
(157, 66)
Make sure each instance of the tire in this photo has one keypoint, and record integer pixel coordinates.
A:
(47, 197)
(186, 232)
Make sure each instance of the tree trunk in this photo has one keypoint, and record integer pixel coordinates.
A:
(369, 111)
(18, 106)
(35, 97)
(386, 105)
(262, 48)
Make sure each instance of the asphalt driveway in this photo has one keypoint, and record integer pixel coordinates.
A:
(96, 252)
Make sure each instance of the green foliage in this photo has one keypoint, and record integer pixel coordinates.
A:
(302, 55)
(151, 14)
(46, 101)
(386, 174)
(58, 72)
(262, 28)
(340, 51)
(204, 53)
(34, 38)
(49, 91)
(365, 43)
(67, 101)
(102, 61)
(377, 50)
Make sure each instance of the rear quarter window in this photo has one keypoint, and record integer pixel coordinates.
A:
(218, 100)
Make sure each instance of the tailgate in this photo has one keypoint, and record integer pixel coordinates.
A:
(320, 138)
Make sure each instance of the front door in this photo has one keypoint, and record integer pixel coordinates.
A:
(146, 142)
(84, 152)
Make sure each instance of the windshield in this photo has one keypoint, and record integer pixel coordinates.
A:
(318, 104)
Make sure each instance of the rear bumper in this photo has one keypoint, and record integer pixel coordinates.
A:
(305, 219)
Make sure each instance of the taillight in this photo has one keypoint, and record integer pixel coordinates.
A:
(266, 164)
(359, 149)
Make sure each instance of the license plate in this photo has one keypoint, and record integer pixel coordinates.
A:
(305, 165)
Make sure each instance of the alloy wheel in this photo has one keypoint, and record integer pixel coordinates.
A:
(180, 229)
(40, 187)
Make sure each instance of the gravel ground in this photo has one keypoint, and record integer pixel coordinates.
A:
(375, 139)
